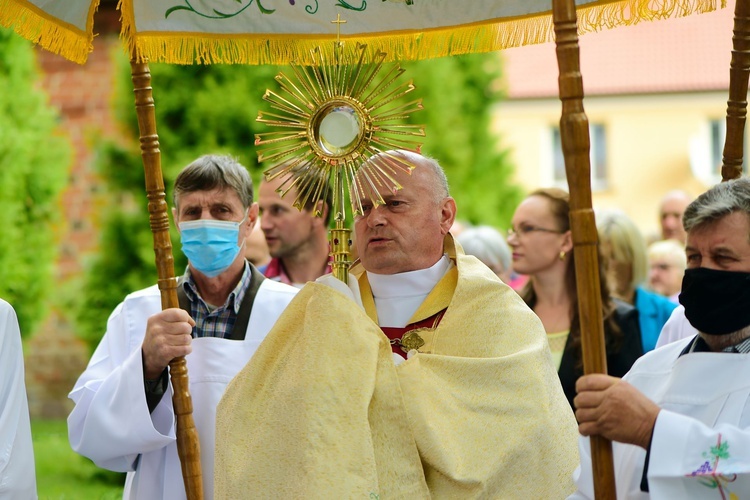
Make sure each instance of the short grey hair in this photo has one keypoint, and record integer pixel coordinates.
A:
(440, 180)
(719, 201)
(488, 245)
(215, 172)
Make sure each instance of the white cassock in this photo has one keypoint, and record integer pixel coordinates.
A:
(17, 478)
(701, 442)
(111, 424)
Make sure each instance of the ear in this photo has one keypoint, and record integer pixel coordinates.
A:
(447, 214)
(567, 244)
(252, 217)
(174, 218)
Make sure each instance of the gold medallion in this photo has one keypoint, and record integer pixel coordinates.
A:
(411, 339)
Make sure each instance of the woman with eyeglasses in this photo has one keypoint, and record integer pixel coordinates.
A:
(542, 245)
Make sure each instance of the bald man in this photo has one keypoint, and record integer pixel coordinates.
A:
(425, 376)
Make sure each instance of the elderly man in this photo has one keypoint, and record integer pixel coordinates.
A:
(297, 240)
(330, 407)
(681, 416)
(123, 417)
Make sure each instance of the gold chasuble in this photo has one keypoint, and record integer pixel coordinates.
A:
(322, 411)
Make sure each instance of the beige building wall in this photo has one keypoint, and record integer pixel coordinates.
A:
(654, 143)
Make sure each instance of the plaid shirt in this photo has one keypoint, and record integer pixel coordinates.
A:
(220, 321)
(700, 345)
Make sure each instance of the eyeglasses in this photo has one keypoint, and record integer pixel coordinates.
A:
(524, 229)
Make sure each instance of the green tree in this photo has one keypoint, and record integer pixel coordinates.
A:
(202, 109)
(34, 161)
(459, 95)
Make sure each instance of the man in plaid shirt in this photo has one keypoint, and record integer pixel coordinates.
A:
(123, 419)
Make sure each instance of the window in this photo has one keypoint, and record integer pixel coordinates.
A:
(718, 136)
(707, 149)
(718, 133)
(597, 154)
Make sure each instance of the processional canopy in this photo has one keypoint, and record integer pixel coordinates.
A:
(285, 31)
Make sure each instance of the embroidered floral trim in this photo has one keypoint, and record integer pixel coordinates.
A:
(708, 474)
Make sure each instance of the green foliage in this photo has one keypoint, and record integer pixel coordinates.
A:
(459, 96)
(63, 474)
(34, 162)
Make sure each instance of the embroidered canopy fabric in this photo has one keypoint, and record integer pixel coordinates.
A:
(282, 31)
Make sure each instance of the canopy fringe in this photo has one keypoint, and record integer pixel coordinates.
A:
(37, 26)
(191, 48)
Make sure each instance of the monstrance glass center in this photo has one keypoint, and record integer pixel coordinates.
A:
(339, 130)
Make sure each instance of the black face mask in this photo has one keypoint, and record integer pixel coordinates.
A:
(716, 302)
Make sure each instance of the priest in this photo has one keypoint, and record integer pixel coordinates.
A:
(425, 376)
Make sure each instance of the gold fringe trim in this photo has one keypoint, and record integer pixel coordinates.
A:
(492, 35)
(70, 42)
(52, 34)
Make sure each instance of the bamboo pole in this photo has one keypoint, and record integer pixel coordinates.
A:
(574, 134)
(739, 70)
(188, 446)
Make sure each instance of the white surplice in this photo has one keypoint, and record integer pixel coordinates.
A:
(17, 477)
(677, 327)
(701, 442)
(111, 423)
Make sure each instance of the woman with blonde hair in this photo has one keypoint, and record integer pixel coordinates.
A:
(623, 250)
(542, 245)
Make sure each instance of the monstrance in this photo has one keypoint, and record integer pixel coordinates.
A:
(332, 119)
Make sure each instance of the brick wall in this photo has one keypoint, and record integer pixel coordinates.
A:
(83, 95)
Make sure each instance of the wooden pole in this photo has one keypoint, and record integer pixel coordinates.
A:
(739, 70)
(574, 134)
(188, 446)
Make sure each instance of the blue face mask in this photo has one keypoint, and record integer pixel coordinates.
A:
(210, 245)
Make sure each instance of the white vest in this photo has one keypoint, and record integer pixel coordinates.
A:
(111, 423)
